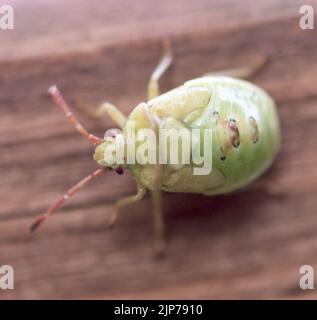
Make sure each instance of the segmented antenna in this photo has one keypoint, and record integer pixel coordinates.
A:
(60, 102)
(52, 209)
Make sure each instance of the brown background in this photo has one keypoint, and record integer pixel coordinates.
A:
(246, 245)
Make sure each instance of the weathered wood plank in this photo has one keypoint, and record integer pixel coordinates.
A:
(59, 27)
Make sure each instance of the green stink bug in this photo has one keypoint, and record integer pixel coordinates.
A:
(244, 129)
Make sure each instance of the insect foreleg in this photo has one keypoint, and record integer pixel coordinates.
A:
(164, 64)
(243, 72)
(106, 108)
(126, 201)
(114, 113)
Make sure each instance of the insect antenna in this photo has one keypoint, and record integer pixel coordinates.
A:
(52, 209)
(60, 102)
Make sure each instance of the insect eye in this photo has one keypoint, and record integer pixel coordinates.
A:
(255, 132)
(235, 134)
(119, 170)
(112, 133)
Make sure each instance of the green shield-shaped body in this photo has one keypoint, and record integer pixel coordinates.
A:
(245, 133)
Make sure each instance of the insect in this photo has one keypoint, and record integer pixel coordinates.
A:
(245, 133)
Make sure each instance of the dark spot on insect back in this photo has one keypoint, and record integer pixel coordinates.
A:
(223, 157)
(235, 134)
(255, 132)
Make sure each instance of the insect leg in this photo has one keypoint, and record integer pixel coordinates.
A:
(60, 102)
(164, 64)
(153, 91)
(52, 209)
(113, 112)
(126, 201)
(243, 72)
(159, 226)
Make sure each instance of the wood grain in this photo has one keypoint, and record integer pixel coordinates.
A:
(245, 245)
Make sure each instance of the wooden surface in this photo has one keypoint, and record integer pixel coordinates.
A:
(245, 245)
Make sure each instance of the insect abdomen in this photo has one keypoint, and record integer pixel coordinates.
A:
(246, 131)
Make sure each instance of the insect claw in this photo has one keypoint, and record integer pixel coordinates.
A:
(39, 220)
(110, 225)
(160, 248)
(112, 220)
